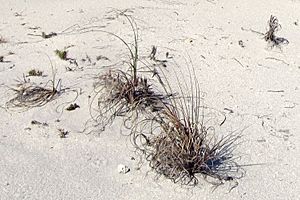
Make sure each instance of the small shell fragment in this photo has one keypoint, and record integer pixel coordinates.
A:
(123, 169)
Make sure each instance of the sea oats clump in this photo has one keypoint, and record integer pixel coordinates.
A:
(181, 146)
(127, 91)
(120, 95)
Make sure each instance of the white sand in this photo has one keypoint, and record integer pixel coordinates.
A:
(38, 164)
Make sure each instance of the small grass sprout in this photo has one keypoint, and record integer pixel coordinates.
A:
(62, 54)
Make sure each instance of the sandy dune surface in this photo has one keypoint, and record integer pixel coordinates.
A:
(255, 86)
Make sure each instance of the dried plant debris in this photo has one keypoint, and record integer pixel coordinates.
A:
(179, 143)
(270, 36)
(43, 35)
(181, 155)
(35, 72)
(87, 58)
(63, 133)
(73, 61)
(102, 58)
(72, 107)
(50, 35)
(118, 94)
(34, 28)
(168, 56)
(153, 53)
(35, 122)
(185, 148)
(28, 95)
(152, 56)
(2, 40)
(3, 60)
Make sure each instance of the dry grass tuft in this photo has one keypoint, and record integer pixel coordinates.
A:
(184, 149)
(120, 95)
(270, 36)
(63, 133)
(28, 96)
(179, 146)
